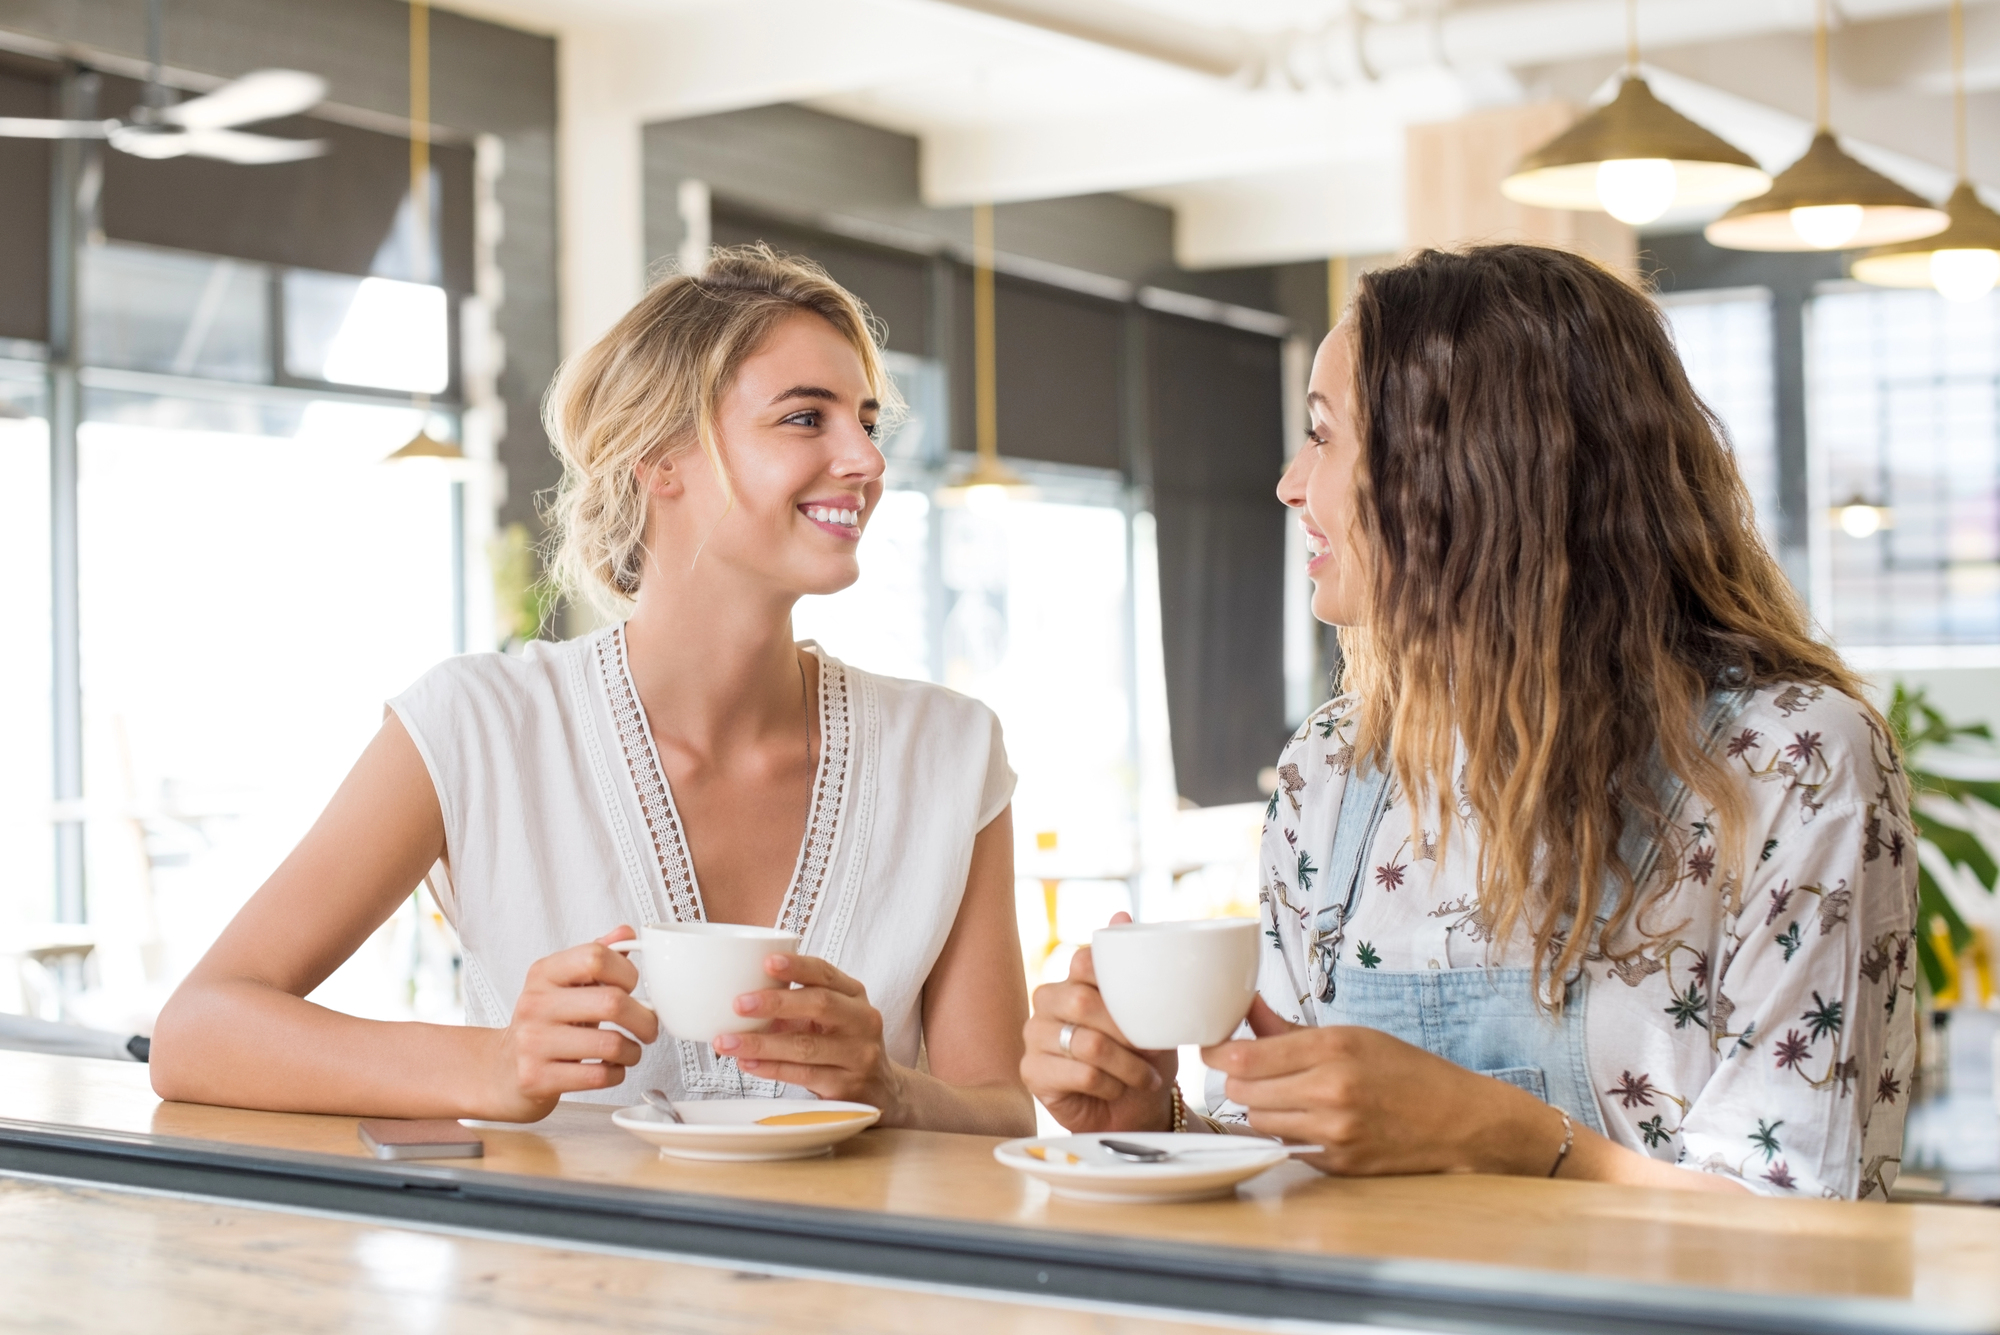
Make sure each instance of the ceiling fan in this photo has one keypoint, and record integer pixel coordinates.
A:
(201, 127)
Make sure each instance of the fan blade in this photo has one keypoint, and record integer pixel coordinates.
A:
(250, 149)
(261, 95)
(149, 141)
(30, 127)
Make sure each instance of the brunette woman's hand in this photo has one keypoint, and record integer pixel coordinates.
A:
(556, 1042)
(1380, 1105)
(824, 1036)
(1103, 1083)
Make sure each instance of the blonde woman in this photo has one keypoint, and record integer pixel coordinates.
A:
(1602, 867)
(687, 762)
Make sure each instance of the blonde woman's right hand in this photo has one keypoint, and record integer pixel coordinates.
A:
(1103, 1083)
(545, 1052)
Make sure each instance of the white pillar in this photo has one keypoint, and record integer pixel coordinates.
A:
(601, 177)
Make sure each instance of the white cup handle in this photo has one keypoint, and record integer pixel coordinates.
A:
(629, 949)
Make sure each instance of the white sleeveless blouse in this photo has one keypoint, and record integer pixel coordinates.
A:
(559, 826)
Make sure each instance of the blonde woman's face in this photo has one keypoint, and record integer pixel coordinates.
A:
(1321, 483)
(797, 434)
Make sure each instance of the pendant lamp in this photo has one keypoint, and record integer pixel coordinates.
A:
(1635, 157)
(423, 445)
(988, 482)
(1826, 200)
(1963, 261)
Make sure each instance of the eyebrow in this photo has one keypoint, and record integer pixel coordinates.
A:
(827, 395)
(806, 392)
(1314, 396)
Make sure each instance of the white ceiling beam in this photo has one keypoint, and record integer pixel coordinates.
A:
(1222, 136)
(1355, 208)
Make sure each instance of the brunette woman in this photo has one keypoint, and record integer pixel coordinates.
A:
(688, 761)
(1601, 867)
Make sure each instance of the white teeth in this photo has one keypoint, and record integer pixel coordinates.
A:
(828, 515)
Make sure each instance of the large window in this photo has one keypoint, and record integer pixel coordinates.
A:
(254, 581)
(1905, 417)
(26, 846)
(1724, 338)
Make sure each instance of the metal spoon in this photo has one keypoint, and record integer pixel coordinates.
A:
(658, 1099)
(1133, 1152)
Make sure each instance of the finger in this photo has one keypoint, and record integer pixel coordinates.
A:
(1081, 968)
(799, 1048)
(1119, 919)
(1075, 1003)
(810, 971)
(825, 1081)
(1094, 1047)
(580, 966)
(1267, 1023)
(830, 1011)
(574, 1043)
(1269, 1058)
(603, 1004)
(622, 932)
(1052, 1077)
(569, 1077)
(1316, 1090)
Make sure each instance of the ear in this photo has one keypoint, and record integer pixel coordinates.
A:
(659, 477)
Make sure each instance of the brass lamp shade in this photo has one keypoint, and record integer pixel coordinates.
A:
(988, 477)
(1562, 174)
(426, 446)
(1827, 177)
(1973, 227)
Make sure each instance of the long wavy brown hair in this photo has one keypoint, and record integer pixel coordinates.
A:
(1564, 564)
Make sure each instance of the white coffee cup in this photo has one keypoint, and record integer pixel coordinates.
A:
(1170, 983)
(694, 971)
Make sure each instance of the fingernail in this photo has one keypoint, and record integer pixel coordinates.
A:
(748, 1002)
(777, 963)
(727, 1042)
(1157, 1080)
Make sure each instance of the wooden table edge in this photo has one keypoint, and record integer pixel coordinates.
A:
(1002, 1258)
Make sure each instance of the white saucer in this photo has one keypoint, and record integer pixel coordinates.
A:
(727, 1130)
(1098, 1175)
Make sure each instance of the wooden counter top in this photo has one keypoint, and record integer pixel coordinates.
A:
(76, 1257)
(1699, 1260)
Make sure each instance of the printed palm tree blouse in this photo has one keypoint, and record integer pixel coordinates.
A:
(1767, 1032)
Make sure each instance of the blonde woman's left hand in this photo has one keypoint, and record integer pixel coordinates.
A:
(1380, 1105)
(824, 1036)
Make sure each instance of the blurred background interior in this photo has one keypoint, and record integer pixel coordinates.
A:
(1120, 225)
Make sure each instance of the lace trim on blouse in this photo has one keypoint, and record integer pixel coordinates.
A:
(702, 1070)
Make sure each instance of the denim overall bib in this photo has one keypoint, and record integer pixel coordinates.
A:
(1485, 1020)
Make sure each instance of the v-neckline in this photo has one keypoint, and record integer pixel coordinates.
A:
(674, 860)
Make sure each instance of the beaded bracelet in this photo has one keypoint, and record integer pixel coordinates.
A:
(1180, 1110)
(1569, 1139)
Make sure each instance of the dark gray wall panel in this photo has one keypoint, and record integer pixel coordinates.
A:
(1215, 428)
(25, 165)
(894, 284)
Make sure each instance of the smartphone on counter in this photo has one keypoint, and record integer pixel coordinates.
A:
(439, 1138)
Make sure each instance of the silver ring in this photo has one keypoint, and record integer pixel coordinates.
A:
(1063, 1038)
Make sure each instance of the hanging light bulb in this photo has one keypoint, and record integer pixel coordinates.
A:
(423, 445)
(1963, 261)
(1964, 275)
(1636, 190)
(1634, 157)
(1826, 200)
(1861, 518)
(1827, 226)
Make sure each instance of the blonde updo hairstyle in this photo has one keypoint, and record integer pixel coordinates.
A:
(649, 390)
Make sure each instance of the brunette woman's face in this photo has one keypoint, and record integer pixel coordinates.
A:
(797, 434)
(1321, 484)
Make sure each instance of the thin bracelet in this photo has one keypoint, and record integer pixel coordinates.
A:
(1569, 1139)
(1179, 1123)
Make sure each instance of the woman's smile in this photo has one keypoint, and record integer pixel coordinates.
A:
(840, 516)
(1318, 547)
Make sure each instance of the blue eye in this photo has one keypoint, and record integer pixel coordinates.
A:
(871, 428)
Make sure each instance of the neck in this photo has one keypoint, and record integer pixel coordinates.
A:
(714, 665)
